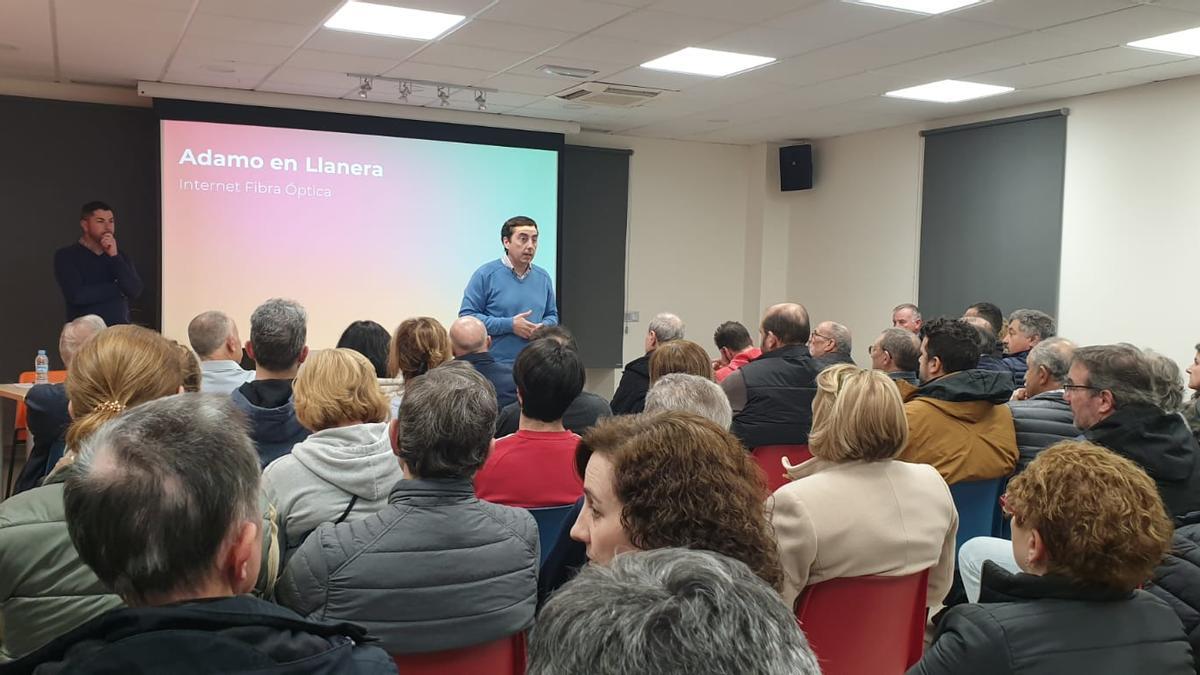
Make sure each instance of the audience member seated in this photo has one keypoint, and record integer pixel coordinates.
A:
(1026, 328)
(1166, 380)
(418, 346)
(853, 510)
(371, 340)
(1088, 529)
(45, 589)
(278, 330)
(189, 365)
(1041, 414)
(897, 353)
(535, 467)
(345, 470)
(630, 396)
(437, 568)
(1177, 579)
(772, 396)
(163, 505)
(990, 313)
(736, 348)
(957, 420)
(668, 612)
(581, 414)
(672, 479)
(1191, 410)
(1111, 393)
(907, 317)
(680, 356)
(991, 351)
(690, 393)
(46, 412)
(831, 343)
(470, 342)
(215, 338)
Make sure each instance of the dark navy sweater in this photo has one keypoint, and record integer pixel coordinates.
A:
(96, 284)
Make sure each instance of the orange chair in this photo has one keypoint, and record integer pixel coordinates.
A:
(770, 460)
(505, 656)
(865, 625)
(20, 432)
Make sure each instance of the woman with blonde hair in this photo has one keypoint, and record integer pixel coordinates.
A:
(1088, 529)
(45, 589)
(345, 469)
(853, 510)
(418, 346)
(680, 356)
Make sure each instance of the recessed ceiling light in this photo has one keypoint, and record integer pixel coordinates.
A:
(1183, 42)
(696, 61)
(949, 91)
(920, 6)
(373, 19)
(568, 71)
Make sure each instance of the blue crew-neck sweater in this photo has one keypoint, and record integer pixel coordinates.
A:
(96, 284)
(495, 295)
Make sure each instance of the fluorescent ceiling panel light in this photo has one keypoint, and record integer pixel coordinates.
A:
(710, 62)
(921, 6)
(949, 91)
(401, 22)
(1185, 42)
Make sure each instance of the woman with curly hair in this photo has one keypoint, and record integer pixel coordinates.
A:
(1088, 528)
(854, 510)
(672, 479)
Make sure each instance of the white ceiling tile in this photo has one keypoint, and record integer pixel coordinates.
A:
(26, 26)
(570, 15)
(439, 73)
(320, 79)
(609, 50)
(1113, 59)
(463, 7)
(344, 42)
(134, 45)
(656, 79)
(924, 38)
(1086, 85)
(1026, 77)
(462, 56)
(534, 66)
(742, 11)
(1166, 71)
(833, 21)
(311, 59)
(1127, 25)
(625, 3)
(245, 75)
(216, 27)
(1185, 5)
(677, 128)
(1032, 14)
(204, 49)
(524, 84)
(761, 40)
(665, 28)
(1007, 52)
(302, 12)
(507, 36)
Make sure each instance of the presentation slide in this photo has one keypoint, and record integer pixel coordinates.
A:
(351, 226)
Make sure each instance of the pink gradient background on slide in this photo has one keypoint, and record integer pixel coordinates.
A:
(380, 248)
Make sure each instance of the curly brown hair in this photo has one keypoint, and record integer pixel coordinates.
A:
(1100, 516)
(685, 482)
(680, 356)
(418, 346)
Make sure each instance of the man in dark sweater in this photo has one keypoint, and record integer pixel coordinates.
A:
(470, 342)
(94, 276)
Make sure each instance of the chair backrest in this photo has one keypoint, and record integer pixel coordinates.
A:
(861, 625)
(505, 656)
(29, 377)
(550, 521)
(976, 502)
(770, 460)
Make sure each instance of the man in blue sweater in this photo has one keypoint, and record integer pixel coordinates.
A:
(94, 276)
(511, 296)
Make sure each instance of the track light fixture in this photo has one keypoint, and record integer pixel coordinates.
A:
(405, 90)
(406, 86)
(444, 95)
(481, 100)
(364, 86)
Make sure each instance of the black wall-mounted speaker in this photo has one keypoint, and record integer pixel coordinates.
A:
(795, 167)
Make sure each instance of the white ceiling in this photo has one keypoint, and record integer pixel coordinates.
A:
(835, 58)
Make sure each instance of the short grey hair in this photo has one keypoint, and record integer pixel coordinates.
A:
(77, 332)
(1120, 369)
(668, 611)
(840, 336)
(447, 421)
(1166, 379)
(904, 346)
(1033, 322)
(691, 393)
(278, 331)
(156, 492)
(1054, 355)
(207, 332)
(667, 327)
(908, 305)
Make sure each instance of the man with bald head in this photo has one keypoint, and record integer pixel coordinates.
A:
(772, 396)
(470, 342)
(214, 337)
(989, 347)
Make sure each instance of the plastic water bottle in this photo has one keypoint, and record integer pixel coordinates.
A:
(41, 366)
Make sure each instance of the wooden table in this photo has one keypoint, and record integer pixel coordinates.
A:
(15, 392)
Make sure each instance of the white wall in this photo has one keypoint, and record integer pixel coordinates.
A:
(1131, 221)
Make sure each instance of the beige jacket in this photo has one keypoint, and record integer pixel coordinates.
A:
(853, 519)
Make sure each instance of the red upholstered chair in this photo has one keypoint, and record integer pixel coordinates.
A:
(865, 625)
(770, 460)
(20, 432)
(505, 656)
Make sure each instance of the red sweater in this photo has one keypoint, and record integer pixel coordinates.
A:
(740, 359)
(531, 469)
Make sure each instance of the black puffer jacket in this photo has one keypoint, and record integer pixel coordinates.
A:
(630, 397)
(1162, 444)
(1177, 579)
(1040, 422)
(1050, 626)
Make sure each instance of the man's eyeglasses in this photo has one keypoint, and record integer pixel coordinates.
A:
(1081, 387)
(818, 335)
(871, 349)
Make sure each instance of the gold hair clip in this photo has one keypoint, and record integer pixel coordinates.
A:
(110, 407)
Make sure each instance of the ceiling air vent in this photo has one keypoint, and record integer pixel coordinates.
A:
(603, 93)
